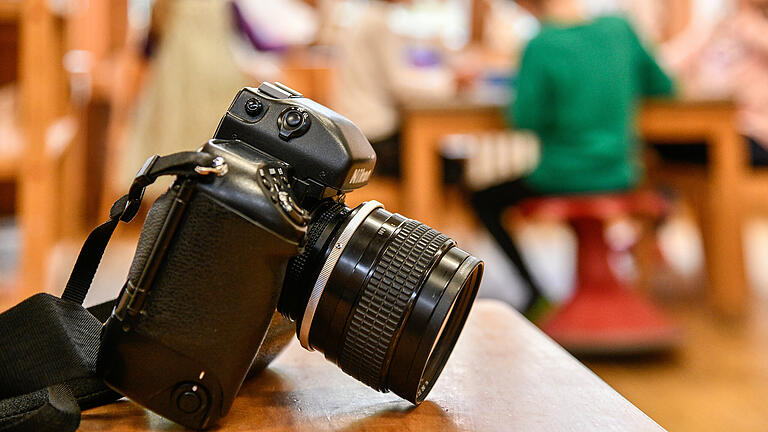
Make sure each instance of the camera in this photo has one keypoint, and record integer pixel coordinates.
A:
(382, 296)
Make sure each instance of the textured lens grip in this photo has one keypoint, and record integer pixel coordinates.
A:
(384, 300)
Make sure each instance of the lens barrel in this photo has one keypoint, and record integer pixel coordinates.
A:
(382, 296)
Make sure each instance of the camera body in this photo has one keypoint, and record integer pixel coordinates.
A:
(382, 296)
(212, 256)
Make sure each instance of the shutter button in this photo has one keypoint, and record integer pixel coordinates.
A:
(293, 119)
(293, 122)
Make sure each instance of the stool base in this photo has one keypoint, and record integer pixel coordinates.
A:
(608, 322)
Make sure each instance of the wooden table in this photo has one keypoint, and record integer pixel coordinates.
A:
(722, 221)
(504, 375)
(425, 124)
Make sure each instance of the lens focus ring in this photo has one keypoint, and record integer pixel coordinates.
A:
(384, 301)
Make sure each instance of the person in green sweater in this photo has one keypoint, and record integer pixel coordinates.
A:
(579, 87)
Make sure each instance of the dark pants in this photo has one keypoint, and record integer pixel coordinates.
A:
(489, 205)
(387, 157)
(697, 153)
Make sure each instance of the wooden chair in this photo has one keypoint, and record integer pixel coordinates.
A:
(58, 121)
(755, 191)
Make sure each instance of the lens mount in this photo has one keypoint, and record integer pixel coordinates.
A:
(330, 263)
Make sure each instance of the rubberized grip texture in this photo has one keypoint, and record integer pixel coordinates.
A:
(384, 301)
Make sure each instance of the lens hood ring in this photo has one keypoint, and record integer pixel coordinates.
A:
(330, 263)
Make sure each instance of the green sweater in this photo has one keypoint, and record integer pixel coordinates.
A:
(578, 90)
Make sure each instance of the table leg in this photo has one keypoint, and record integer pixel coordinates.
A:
(421, 163)
(422, 172)
(723, 224)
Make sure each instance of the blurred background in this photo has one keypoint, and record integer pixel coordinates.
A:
(89, 89)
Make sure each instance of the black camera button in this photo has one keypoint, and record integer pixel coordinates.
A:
(273, 179)
(282, 179)
(285, 201)
(253, 107)
(250, 110)
(293, 122)
(188, 402)
(190, 398)
(293, 119)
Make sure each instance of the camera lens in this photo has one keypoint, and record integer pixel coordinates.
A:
(382, 296)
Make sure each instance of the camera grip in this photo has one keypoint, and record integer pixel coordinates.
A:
(207, 310)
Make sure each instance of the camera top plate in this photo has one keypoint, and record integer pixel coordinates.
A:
(328, 153)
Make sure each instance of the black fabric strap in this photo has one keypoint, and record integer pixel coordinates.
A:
(124, 209)
(49, 346)
(51, 409)
(88, 261)
(46, 341)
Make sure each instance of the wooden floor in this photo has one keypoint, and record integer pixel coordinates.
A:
(717, 381)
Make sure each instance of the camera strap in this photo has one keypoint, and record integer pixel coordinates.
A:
(49, 345)
(185, 164)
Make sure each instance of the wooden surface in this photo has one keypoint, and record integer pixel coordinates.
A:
(57, 123)
(9, 10)
(722, 212)
(425, 124)
(504, 375)
(714, 382)
(44, 103)
(423, 128)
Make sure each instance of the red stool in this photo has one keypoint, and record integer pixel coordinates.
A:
(603, 315)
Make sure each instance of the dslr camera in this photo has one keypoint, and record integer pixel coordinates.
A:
(382, 296)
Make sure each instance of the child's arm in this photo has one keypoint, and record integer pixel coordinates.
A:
(530, 107)
(653, 79)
